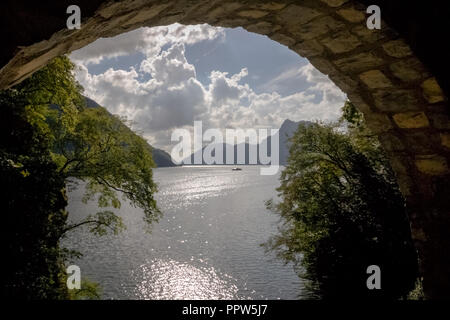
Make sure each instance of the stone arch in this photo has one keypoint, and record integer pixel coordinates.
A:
(400, 98)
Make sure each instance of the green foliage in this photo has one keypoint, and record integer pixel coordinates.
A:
(100, 149)
(100, 223)
(33, 215)
(88, 291)
(342, 211)
(417, 292)
(49, 139)
(352, 116)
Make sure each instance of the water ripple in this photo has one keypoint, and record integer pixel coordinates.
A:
(165, 279)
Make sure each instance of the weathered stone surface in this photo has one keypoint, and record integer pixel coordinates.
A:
(397, 100)
(224, 9)
(145, 14)
(309, 48)
(352, 15)
(107, 11)
(341, 42)
(397, 49)
(283, 39)
(432, 91)
(367, 35)
(408, 70)
(262, 28)
(345, 83)
(334, 3)
(359, 102)
(359, 62)
(378, 122)
(411, 120)
(432, 164)
(375, 79)
(272, 6)
(323, 65)
(316, 28)
(231, 22)
(254, 14)
(439, 120)
(391, 142)
(295, 15)
(421, 141)
(445, 139)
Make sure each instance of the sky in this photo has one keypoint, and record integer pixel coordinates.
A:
(167, 77)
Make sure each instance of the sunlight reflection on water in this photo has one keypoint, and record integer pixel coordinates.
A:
(205, 246)
(168, 279)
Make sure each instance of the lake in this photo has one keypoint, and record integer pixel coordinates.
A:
(207, 245)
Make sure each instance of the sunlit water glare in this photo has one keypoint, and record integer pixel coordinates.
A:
(207, 245)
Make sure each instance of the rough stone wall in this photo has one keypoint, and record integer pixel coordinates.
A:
(401, 100)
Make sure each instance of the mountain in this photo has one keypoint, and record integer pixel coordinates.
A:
(286, 131)
(160, 157)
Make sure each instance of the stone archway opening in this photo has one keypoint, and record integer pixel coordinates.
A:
(399, 96)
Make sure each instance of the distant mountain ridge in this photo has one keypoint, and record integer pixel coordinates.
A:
(287, 130)
(160, 157)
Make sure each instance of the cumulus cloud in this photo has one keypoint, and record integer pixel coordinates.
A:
(148, 41)
(172, 96)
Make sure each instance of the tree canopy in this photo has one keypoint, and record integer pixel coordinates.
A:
(49, 139)
(342, 211)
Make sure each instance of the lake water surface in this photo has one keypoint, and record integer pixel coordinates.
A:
(206, 245)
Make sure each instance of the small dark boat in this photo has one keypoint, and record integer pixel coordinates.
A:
(236, 169)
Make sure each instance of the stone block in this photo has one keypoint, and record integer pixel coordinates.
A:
(352, 15)
(432, 92)
(421, 141)
(375, 79)
(283, 39)
(432, 164)
(445, 139)
(262, 28)
(309, 48)
(411, 120)
(408, 70)
(224, 10)
(316, 28)
(397, 49)
(341, 42)
(378, 122)
(253, 14)
(272, 6)
(295, 15)
(367, 35)
(391, 142)
(396, 100)
(359, 62)
(344, 82)
(334, 3)
(323, 65)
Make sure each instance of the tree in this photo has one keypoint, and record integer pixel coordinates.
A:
(342, 211)
(101, 150)
(91, 145)
(50, 139)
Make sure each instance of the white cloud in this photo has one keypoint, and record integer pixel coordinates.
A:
(148, 41)
(174, 98)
